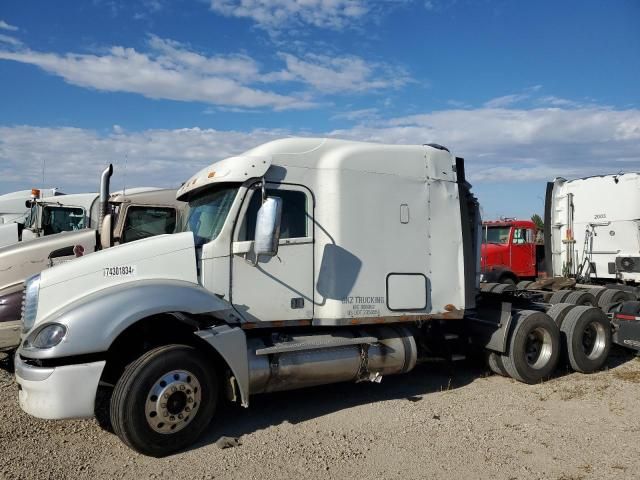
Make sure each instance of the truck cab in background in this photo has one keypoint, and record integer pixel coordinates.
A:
(15, 211)
(512, 251)
(12, 205)
(125, 218)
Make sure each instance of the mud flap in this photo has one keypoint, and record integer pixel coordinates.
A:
(231, 344)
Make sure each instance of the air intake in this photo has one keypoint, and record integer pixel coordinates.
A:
(628, 264)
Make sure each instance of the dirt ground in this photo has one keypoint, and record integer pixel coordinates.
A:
(427, 424)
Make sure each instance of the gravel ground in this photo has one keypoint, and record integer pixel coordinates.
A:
(427, 424)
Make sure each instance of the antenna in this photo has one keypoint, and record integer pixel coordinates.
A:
(44, 162)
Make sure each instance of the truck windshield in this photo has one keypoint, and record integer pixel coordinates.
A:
(208, 212)
(496, 235)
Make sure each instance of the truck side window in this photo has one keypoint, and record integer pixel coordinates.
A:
(143, 222)
(519, 236)
(530, 236)
(294, 214)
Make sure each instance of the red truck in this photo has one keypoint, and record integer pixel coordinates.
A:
(512, 251)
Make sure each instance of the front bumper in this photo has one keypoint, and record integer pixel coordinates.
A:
(67, 391)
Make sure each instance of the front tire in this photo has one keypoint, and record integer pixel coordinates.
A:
(164, 400)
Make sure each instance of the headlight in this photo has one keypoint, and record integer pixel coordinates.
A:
(30, 302)
(46, 337)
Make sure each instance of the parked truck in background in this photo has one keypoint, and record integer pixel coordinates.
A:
(590, 254)
(302, 262)
(14, 209)
(592, 234)
(12, 205)
(122, 218)
(593, 228)
(512, 251)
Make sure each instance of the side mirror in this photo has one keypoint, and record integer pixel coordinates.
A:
(106, 232)
(268, 227)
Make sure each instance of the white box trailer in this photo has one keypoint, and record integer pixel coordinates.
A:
(302, 262)
(593, 228)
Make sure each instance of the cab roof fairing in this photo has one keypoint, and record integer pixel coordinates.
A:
(228, 170)
(323, 153)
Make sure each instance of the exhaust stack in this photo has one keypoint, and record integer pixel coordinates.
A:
(104, 193)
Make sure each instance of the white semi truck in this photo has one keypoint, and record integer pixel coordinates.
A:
(593, 228)
(14, 210)
(302, 262)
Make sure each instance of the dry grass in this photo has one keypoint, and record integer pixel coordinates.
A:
(628, 376)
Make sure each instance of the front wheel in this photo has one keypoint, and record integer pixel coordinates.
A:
(164, 400)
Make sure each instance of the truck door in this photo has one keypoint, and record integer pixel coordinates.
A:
(280, 287)
(523, 252)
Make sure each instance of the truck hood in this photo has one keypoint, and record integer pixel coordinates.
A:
(21, 260)
(170, 257)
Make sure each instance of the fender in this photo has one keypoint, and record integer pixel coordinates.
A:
(95, 321)
(494, 273)
(231, 344)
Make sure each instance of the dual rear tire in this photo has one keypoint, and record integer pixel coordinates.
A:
(534, 347)
(581, 334)
(575, 297)
(586, 335)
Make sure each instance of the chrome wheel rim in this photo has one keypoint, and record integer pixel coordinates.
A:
(538, 348)
(594, 340)
(173, 401)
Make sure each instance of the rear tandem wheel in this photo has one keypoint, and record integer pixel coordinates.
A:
(534, 347)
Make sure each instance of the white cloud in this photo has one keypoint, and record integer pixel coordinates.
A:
(170, 70)
(343, 74)
(554, 101)
(156, 75)
(513, 145)
(499, 145)
(10, 40)
(273, 14)
(75, 157)
(366, 114)
(5, 26)
(506, 100)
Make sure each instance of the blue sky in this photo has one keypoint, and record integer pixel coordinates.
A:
(525, 91)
